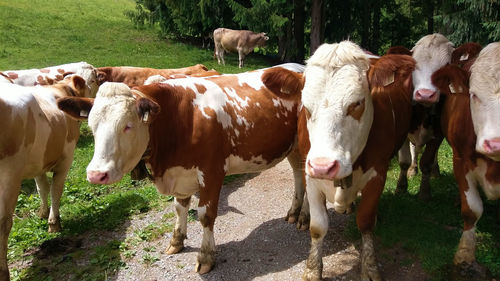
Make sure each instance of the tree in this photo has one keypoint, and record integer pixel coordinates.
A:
(317, 22)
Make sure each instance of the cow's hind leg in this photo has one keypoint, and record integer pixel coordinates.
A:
(318, 229)
(241, 57)
(207, 212)
(180, 230)
(404, 159)
(56, 190)
(426, 165)
(298, 213)
(9, 191)
(43, 187)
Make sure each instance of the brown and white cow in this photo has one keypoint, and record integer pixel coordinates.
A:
(470, 121)
(135, 76)
(37, 138)
(53, 74)
(196, 131)
(237, 41)
(430, 53)
(4, 78)
(356, 115)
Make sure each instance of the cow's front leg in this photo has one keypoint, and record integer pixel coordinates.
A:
(299, 211)
(318, 229)
(404, 159)
(180, 230)
(241, 57)
(414, 151)
(426, 166)
(9, 191)
(366, 218)
(207, 212)
(43, 188)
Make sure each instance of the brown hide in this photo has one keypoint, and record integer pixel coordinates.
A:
(135, 76)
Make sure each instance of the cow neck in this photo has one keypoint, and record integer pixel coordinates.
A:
(147, 153)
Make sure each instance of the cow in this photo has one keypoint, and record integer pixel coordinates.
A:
(194, 131)
(135, 76)
(160, 78)
(470, 121)
(241, 41)
(52, 74)
(356, 114)
(37, 138)
(430, 52)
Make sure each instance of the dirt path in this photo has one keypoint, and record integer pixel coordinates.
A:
(255, 243)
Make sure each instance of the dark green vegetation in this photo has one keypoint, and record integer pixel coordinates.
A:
(97, 31)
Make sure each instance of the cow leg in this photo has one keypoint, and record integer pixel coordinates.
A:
(435, 172)
(426, 165)
(9, 191)
(180, 230)
(241, 57)
(43, 187)
(56, 190)
(404, 158)
(415, 151)
(318, 229)
(207, 212)
(472, 209)
(304, 217)
(366, 218)
(295, 212)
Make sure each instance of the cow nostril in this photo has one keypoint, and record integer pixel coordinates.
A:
(104, 177)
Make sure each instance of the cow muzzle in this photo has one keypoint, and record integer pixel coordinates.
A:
(426, 96)
(322, 168)
(491, 148)
(97, 177)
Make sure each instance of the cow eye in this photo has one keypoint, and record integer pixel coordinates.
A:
(128, 127)
(475, 98)
(356, 109)
(307, 113)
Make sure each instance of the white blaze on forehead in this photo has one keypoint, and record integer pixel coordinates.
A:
(335, 78)
(485, 88)
(431, 52)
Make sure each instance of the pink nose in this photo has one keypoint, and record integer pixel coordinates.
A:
(426, 96)
(322, 167)
(492, 146)
(97, 177)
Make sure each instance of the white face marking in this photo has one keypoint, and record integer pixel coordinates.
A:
(116, 151)
(181, 182)
(431, 52)
(336, 79)
(485, 99)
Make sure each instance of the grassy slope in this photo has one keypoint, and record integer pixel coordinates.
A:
(38, 33)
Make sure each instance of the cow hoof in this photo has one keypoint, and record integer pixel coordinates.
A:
(174, 249)
(291, 219)
(311, 275)
(470, 272)
(303, 223)
(43, 213)
(203, 268)
(55, 226)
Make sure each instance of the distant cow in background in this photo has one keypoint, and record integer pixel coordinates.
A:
(241, 41)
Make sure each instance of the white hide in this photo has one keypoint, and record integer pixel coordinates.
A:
(335, 78)
(431, 52)
(180, 182)
(117, 150)
(485, 96)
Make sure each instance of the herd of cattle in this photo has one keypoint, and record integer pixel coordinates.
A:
(338, 120)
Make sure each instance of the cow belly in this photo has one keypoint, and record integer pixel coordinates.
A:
(237, 165)
(180, 182)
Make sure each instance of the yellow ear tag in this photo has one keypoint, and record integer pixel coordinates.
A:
(464, 57)
(145, 118)
(453, 90)
(84, 113)
(389, 80)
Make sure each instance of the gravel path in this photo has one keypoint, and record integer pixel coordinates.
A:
(255, 243)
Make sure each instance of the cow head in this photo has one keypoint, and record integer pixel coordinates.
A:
(89, 74)
(481, 84)
(430, 52)
(337, 96)
(119, 119)
(262, 39)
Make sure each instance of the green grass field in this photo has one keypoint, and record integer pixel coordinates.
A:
(39, 33)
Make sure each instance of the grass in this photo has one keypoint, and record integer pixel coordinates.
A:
(39, 33)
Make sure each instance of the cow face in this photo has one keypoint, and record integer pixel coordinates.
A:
(263, 38)
(339, 109)
(89, 74)
(485, 100)
(431, 52)
(119, 120)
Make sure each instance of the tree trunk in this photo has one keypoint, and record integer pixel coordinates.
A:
(375, 42)
(316, 24)
(299, 10)
(430, 16)
(365, 25)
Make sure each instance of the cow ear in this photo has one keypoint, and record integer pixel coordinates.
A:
(147, 109)
(451, 79)
(79, 84)
(465, 53)
(390, 70)
(283, 82)
(76, 107)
